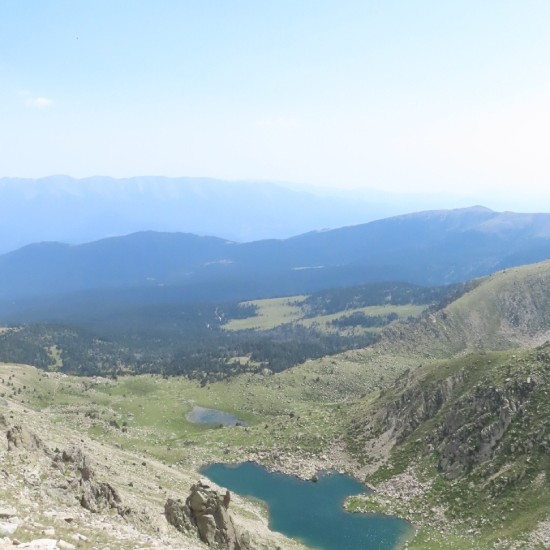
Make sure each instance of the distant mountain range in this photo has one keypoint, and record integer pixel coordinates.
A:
(60, 208)
(427, 248)
(75, 211)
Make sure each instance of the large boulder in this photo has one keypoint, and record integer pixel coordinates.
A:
(206, 512)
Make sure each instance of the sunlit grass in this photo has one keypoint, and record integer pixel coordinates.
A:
(275, 312)
(271, 313)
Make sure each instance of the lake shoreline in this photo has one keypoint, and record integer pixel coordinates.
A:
(298, 507)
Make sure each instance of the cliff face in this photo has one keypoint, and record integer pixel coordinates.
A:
(415, 405)
(474, 433)
(488, 408)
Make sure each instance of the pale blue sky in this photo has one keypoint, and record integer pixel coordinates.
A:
(395, 95)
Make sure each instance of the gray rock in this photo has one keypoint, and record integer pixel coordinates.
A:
(207, 528)
(19, 438)
(178, 514)
(206, 512)
(198, 501)
(98, 496)
(93, 495)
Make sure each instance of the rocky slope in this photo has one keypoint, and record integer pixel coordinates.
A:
(61, 489)
(464, 444)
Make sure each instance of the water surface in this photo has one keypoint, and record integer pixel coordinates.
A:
(312, 512)
(201, 415)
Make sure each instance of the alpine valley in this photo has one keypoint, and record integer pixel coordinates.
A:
(410, 353)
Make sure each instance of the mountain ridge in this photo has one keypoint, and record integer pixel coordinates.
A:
(62, 208)
(428, 248)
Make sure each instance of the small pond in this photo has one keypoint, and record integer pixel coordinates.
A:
(312, 512)
(213, 417)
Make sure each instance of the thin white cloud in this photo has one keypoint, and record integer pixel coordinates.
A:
(30, 100)
(41, 102)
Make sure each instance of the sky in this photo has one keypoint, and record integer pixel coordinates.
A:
(422, 96)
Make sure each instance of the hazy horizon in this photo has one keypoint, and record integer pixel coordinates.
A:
(63, 209)
(402, 98)
(401, 201)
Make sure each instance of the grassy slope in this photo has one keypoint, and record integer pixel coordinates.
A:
(147, 413)
(506, 496)
(508, 309)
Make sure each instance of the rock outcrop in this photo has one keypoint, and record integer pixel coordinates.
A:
(206, 512)
(178, 514)
(8, 522)
(93, 495)
(19, 438)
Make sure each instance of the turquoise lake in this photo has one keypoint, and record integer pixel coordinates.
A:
(312, 512)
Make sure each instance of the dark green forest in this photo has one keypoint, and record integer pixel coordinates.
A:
(189, 339)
